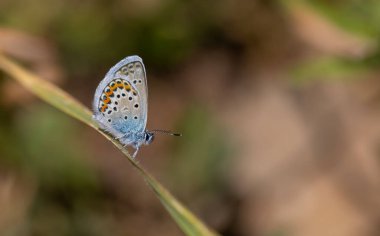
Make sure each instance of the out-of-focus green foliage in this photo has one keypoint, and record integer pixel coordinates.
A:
(332, 67)
(359, 18)
(54, 154)
(199, 159)
(94, 34)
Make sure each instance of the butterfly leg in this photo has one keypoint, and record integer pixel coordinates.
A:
(119, 137)
(135, 153)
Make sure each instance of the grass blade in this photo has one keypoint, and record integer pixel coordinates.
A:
(58, 98)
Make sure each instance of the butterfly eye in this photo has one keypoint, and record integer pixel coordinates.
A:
(149, 137)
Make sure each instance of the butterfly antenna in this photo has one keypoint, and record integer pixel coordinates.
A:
(165, 132)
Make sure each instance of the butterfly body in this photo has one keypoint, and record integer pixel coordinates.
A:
(121, 103)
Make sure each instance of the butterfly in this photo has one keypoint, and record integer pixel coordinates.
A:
(121, 104)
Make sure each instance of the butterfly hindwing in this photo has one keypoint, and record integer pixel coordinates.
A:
(120, 103)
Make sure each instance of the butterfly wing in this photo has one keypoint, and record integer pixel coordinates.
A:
(120, 102)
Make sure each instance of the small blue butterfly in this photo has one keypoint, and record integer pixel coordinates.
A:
(121, 104)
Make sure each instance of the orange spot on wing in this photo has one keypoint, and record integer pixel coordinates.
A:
(104, 107)
(107, 100)
(127, 86)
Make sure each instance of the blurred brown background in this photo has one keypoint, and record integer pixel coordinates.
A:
(278, 103)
